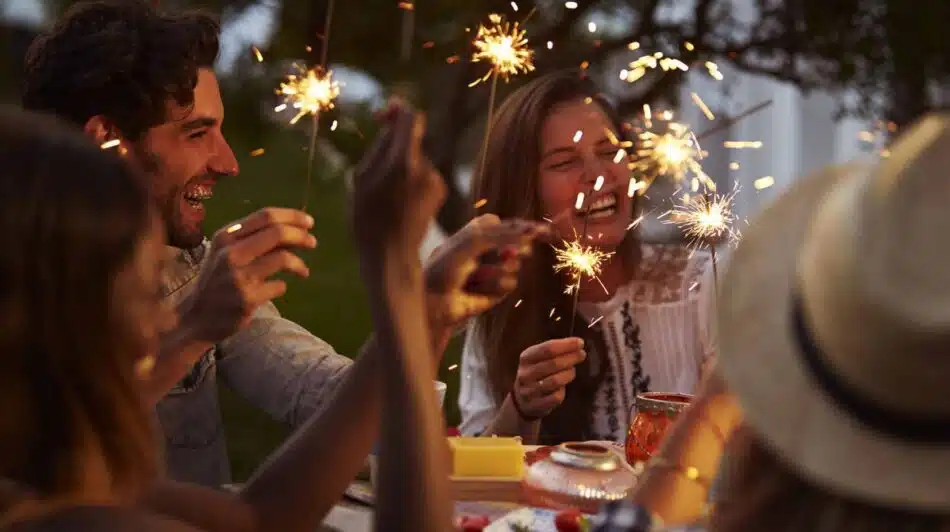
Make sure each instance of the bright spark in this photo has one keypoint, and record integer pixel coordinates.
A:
(503, 45)
(707, 219)
(642, 65)
(578, 261)
(309, 91)
(674, 153)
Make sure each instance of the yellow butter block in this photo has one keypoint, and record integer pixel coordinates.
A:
(487, 457)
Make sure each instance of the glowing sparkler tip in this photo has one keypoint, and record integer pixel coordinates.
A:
(578, 261)
(707, 219)
(309, 91)
(503, 45)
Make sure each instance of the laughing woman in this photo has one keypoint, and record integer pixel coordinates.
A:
(522, 375)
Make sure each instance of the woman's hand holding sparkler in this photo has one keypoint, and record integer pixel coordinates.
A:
(396, 194)
(544, 371)
(477, 267)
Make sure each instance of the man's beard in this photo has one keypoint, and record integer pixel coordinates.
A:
(177, 234)
(169, 204)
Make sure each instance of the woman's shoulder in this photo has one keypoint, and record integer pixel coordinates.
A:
(101, 519)
(670, 272)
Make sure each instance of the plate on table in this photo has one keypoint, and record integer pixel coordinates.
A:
(537, 454)
(527, 520)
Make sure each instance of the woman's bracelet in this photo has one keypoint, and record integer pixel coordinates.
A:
(524, 417)
(689, 472)
(720, 435)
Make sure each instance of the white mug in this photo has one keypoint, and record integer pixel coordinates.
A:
(440, 388)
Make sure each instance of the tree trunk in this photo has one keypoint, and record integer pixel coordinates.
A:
(909, 95)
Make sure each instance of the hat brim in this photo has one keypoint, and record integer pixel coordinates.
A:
(781, 400)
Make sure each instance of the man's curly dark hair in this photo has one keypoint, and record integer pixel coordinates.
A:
(121, 59)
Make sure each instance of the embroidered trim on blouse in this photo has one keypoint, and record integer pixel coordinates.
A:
(631, 337)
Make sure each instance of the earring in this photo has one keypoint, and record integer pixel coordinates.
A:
(144, 366)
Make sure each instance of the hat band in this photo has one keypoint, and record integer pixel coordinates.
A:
(904, 426)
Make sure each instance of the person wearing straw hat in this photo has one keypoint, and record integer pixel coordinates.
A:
(834, 329)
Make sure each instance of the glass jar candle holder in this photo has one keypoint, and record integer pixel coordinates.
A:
(654, 413)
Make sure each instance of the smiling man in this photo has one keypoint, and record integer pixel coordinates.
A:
(142, 81)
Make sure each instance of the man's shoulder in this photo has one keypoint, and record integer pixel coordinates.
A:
(182, 266)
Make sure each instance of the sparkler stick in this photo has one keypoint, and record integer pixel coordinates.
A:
(731, 121)
(577, 290)
(408, 29)
(579, 259)
(311, 91)
(505, 47)
(708, 220)
(488, 120)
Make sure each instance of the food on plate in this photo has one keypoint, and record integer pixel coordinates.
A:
(487, 457)
(571, 521)
(472, 523)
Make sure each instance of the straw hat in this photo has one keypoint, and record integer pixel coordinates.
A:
(834, 324)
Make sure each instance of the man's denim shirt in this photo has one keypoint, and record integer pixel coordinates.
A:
(274, 363)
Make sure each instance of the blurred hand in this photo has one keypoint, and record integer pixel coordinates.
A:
(396, 190)
(237, 277)
(544, 371)
(476, 268)
(716, 401)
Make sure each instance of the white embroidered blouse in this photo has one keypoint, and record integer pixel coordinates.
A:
(658, 331)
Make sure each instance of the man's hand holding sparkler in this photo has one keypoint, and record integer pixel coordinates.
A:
(236, 280)
(238, 276)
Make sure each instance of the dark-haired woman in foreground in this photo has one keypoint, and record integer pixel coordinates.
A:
(80, 315)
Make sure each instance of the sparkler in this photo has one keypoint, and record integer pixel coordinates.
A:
(578, 260)
(311, 91)
(575, 257)
(408, 28)
(707, 220)
(504, 46)
(674, 153)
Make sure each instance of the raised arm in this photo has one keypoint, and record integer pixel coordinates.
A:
(676, 483)
(391, 213)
